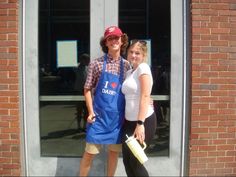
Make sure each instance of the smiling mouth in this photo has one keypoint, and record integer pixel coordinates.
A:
(114, 45)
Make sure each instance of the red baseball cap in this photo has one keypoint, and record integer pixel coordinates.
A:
(112, 31)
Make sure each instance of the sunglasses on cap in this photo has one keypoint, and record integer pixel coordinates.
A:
(143, 42)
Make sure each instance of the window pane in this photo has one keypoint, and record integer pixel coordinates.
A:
(62, 128)
(62, 122)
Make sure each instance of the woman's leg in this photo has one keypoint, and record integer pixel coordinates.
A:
(132, 166)
(128, 130)
(127, 160)
(150, 129)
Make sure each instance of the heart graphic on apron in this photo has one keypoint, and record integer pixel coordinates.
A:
(113, 84)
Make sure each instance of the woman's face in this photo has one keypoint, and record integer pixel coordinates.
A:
(135, 55)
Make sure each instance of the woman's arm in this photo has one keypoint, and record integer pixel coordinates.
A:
(144, 102)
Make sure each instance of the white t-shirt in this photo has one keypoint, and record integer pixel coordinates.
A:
(131, 90)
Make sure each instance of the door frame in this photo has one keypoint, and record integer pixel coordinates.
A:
(29, 91)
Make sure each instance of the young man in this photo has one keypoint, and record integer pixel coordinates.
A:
(104, 100)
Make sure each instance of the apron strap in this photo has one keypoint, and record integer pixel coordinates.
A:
(104, 63)
(121, 70)
(121, 78)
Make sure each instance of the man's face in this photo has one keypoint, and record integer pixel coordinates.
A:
(113, 43)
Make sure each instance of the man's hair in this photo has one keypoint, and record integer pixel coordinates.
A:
(124, 39)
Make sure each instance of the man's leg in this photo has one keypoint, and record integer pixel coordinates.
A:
(85, 164)
(112, 162)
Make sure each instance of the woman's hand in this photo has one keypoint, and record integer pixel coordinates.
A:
(91, 118)
(139, 133)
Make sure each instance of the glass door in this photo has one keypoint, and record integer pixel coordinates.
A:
(60, 38)
(145, 22)
(64, 35)
(156, 22)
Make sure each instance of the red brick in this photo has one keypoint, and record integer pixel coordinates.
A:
(225, 25)
(217, 6)
(208, 111)
(226, 135)
(11, 142)
(201, 43)
(217, 105)
(216, 153)
(231, 153)
(226, 99)
(201, 92)
(201, 31)
(215, 165)
(217, 142)
(225, 147)
(10, 130)
(200, 117)
(223, 171)
(233, 164)
(3, 111)
(200, 106)
(219, 19)
(200, 130)
(210, 25)
(209, 37)
(198, 166)
(210, 62)
(5, 172)
(200, 142)
(209, 49)
(10, 166)
(217, 129)
(4, 136)
(8, 6)
(4, 148)
(208, 124)
(225, 159)
(219, 43)
(200, 6)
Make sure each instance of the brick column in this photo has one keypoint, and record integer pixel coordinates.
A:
(9, 90)
(213, 120)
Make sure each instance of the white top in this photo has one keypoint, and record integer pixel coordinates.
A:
(131, 90)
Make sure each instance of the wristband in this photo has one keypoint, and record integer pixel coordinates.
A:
(140, 122)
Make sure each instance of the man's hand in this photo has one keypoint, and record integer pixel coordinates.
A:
(91, 118)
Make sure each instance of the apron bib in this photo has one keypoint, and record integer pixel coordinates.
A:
(108, 105)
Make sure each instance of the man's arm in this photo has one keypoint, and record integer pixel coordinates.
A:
(89, 104)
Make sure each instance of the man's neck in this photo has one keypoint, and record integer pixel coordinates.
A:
(114, 54)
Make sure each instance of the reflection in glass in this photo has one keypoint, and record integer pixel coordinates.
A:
(62, 128)
(160, 144)
(62, 121)
(61, 20)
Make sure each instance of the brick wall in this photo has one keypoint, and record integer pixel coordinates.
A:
(9, 89)
(213, 122)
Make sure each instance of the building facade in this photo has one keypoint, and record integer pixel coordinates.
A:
(192, 56)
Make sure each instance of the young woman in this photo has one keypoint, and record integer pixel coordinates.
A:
(140, 118)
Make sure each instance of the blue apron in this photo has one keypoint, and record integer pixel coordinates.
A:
(108, 106)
